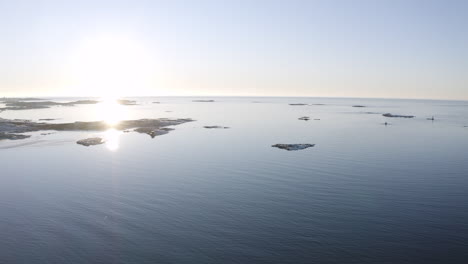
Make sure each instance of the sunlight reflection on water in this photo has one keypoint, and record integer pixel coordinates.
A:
(112, 138)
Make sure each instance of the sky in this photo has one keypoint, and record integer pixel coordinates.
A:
(383, 49)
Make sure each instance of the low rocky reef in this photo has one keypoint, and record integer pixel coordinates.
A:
(398, 116)
(203, 101)
(14, 129)
(11, 104)
(216, 127)
(291, 147)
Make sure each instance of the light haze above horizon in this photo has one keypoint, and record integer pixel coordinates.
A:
(377, 49)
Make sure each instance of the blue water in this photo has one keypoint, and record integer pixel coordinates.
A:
(366, 193)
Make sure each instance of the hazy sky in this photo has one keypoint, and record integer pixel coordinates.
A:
(403, 49)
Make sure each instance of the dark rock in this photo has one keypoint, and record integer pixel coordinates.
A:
(305, 118)
(214, 127)
(400, 116)
(291, 147)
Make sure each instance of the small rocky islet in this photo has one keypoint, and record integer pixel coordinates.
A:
(397, 116)
(293, 147)
(91, 141)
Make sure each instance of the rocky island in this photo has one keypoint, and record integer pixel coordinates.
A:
(15, 129)
(12, 104)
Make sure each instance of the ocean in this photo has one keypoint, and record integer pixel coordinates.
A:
(367, 192)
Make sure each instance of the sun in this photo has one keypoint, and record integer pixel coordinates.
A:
(110, 66)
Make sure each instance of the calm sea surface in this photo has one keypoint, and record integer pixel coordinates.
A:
(366, 193)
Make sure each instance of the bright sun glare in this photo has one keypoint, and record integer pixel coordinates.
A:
(111, 66)
(110, 111)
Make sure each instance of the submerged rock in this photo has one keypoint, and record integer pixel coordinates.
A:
(297, 104)
(400, 116)
(291, 147)
(91, 141)
(214, 127)
(305, 118)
